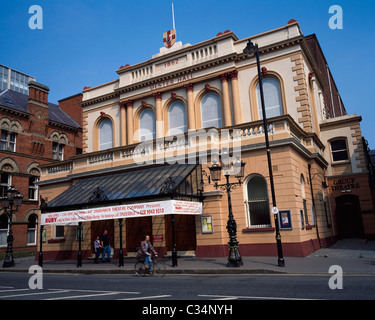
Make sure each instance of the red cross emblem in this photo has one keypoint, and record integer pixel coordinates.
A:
(169, 38)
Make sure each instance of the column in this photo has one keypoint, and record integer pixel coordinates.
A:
(158, 116)
(123, 123)
(129, 121)
(236, 97)
(226, 100)
(190, 106)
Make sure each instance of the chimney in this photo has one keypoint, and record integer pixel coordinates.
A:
(38, 93)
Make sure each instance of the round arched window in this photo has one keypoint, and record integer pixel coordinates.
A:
(272, 98)
(177, 118)
(258, 203)
(211, 111)
(147, 125)
(105, 134)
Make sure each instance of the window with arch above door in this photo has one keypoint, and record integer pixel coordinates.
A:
(211, 111)
(272, 98)
(105, 134)
(177, 118)
(147, 127)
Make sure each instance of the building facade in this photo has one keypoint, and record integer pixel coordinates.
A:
(33, 132)
(197, 104)
(14, 80)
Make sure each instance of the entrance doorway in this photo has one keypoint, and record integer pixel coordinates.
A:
(136, 229)
(348, 216)
(98, 227)
(184, 226)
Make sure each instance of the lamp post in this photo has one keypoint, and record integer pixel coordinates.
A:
(250, 50)
(12, 198)
(234, 258)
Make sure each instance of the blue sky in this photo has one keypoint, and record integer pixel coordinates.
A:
(83, 42)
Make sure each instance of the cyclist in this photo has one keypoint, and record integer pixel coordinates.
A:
(144, 252)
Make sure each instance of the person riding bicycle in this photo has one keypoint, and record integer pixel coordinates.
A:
(145, 251)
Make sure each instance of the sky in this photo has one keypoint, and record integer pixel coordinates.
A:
(83, 42)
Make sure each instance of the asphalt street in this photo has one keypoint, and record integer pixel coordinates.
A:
(15, 286)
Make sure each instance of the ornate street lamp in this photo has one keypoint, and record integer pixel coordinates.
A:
(12, 199)
(234, 258)
(250, 50)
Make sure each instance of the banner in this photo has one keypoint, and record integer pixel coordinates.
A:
(123, 211)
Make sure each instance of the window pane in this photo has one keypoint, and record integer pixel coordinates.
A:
(105, 135)
(338, 145)
(147, 125)
(340, 155)
(272, 98)
(177, 118)
(59, 232)
(3, 237)
(31, 236)
(211, 111)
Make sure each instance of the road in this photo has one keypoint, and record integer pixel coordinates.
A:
(15, 286)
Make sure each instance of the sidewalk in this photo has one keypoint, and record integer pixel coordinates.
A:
(354, 257)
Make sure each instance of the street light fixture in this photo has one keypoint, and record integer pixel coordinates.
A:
(234, 258)
(251, 49)
(12, 199)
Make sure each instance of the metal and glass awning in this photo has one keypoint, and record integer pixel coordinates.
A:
(155, 190)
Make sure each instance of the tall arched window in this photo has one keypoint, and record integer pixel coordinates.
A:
(211, 111)
(177, 118)
(105, 134)
(272, 98)
(258, 203)
(147, 125)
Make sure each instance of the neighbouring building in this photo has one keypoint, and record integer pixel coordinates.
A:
(160, 124)
(14, 80)
(33, 132)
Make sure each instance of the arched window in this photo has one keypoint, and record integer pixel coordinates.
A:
(339, 150)
(272, 98)
(177, 118)
(3, 229)
(147, 125)
(211, 111)
(258, 203)
(31, 229)
(105, 134)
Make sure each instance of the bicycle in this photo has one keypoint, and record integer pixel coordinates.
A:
(158, 268)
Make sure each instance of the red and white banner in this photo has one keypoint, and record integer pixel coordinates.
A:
(123, 211)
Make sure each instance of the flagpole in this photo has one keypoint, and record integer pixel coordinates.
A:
(174, 27)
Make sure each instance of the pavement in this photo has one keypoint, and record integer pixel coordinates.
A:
(354, 256)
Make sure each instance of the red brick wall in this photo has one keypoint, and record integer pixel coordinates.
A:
(34, 145)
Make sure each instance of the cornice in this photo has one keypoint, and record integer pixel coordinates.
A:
(179, 52)
(188, 70)
(14, 112)
(232, 57)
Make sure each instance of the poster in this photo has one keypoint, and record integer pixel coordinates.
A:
(285, 220)
(206, 224)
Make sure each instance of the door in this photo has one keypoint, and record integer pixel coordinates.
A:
(136, 230)
(98, 227)
(349, 219)
(185, 235)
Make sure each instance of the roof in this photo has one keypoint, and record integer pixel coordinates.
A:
(144, 183)
(18, 101)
